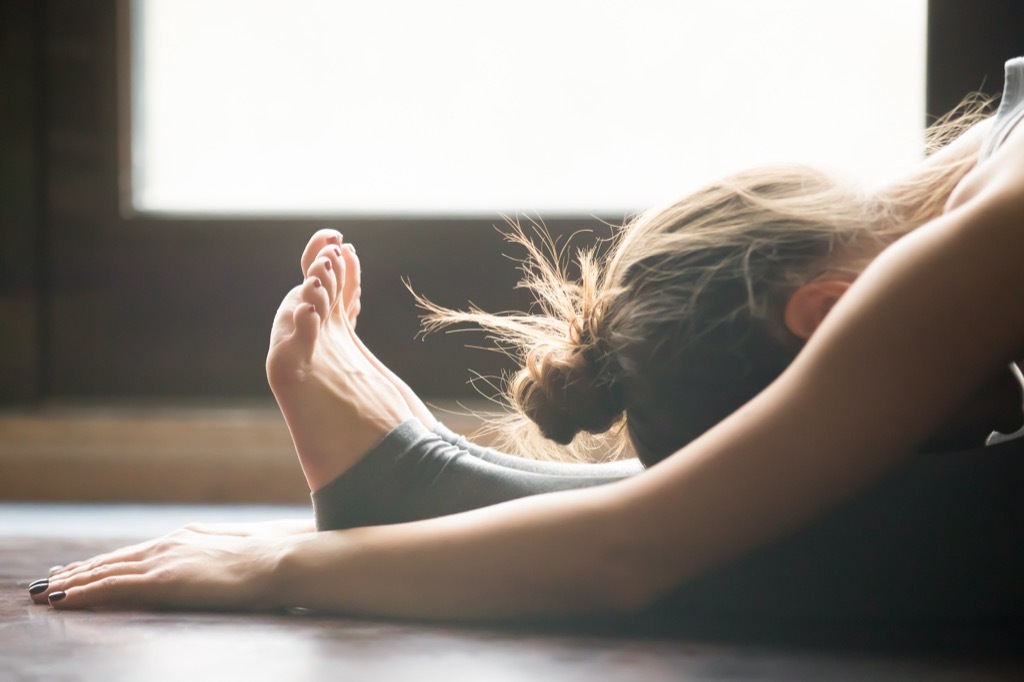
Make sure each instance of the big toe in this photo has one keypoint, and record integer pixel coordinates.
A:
(320, 240)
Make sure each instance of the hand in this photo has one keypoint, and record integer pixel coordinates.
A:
(183, 570)
(265, 529)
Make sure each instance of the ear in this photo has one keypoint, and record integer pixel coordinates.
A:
(809, 305)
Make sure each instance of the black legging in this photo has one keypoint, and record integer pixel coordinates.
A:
(941, 538)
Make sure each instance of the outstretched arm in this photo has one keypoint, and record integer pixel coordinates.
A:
(920, 330)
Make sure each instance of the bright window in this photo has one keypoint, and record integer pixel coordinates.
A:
(462, 107)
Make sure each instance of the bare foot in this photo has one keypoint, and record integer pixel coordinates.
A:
(336, 404)
(351, 306)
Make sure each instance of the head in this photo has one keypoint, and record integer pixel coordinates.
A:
(697, 307)
(701, 305)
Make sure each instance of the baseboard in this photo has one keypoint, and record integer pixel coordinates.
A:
(155, 453)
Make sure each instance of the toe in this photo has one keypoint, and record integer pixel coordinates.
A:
(330, 269)
(317, 243)
(315, 293)
(307, 329)
(352, 287)
(333, 254)
(326, 272)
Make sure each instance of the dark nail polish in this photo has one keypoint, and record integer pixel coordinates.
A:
(57, 596)
(38, 587)
(41, 581)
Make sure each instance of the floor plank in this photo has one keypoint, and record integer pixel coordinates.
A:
(38, 643)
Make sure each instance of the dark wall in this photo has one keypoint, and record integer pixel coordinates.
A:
(97, 304)
(21, 346)
(148, 307)
(968, 41)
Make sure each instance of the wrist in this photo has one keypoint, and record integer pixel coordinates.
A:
(301, 562)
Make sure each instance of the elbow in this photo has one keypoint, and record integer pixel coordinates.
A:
(629, 598)
(627, 562)
(630, 588)
(635, 576)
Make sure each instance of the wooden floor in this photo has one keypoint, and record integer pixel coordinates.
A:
(39, 644)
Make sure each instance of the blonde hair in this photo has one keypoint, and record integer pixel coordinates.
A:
(678, 320)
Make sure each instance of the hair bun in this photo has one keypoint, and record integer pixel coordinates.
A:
(564, 392)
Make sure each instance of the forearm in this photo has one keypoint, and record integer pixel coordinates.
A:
(550, 555)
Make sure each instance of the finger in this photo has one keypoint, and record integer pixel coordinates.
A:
(66, 567)
(84, 577)
(116, 591)
(75, 566)
(129, 553)
(98, 573)
(37, 590)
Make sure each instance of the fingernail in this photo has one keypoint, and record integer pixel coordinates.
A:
(334, 239)
(349, 247)
(57, 596)
(337, 252)
(54, 569)
(327, 265)
(38, 587)
(317, 284)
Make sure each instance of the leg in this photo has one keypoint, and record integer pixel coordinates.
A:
(624, 467)
(328, 385)
(351, 306)
(416, 474)
(336, 405)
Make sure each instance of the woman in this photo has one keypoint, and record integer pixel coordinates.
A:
(862, 393)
